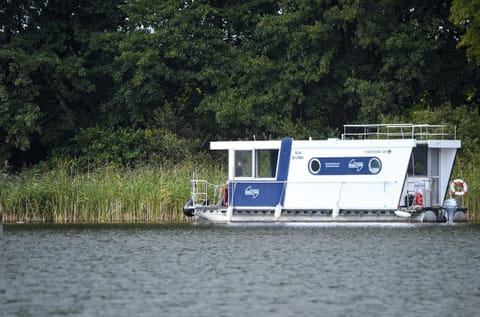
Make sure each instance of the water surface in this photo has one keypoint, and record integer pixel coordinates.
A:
(241, 270)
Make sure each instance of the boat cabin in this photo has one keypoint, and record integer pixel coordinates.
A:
(371, 167)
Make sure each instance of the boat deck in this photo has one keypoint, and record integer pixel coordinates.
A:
(420, 214)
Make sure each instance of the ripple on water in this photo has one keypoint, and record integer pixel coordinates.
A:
(235, 270)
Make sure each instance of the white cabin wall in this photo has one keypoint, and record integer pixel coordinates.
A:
(447, 158)
(380, 191)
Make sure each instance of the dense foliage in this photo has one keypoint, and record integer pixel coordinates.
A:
(151, 81)
(466, 14)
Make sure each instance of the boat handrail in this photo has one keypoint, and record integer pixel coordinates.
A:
(204, 193)
(399, 131)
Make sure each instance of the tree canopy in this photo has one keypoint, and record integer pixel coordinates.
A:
(145, 79)
(466, 14)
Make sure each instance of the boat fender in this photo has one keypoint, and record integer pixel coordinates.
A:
(189, 209)
(402, 214)
(458, 187)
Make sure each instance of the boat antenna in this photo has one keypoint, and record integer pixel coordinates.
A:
(254, 139)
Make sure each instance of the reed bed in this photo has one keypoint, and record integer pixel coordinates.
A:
(105, 195)
(146, 194)
(470, 172)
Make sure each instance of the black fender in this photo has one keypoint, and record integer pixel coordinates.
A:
(188, 209)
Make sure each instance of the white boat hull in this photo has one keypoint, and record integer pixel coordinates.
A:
(221, 215)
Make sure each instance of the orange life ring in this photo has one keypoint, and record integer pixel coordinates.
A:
(458, 187)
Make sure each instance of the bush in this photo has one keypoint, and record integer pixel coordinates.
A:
(124, 147)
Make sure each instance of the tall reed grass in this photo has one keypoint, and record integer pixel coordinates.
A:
(470, 172)
(145, 194)
(61, 195)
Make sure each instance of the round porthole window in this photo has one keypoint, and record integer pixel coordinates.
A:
(314, 166)
(374, 165)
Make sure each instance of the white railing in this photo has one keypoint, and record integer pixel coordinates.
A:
(399, 131)
(428, 186)
(204, 193)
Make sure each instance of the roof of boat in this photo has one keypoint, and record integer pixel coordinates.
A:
(436, 136)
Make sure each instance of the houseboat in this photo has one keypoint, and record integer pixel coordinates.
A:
(372, 173)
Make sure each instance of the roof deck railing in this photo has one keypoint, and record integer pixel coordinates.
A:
(399, 131)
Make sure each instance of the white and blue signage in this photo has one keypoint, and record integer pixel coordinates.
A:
(255, 193)
(369, 165)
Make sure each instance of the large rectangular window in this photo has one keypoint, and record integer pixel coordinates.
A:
(266, 163)
(243, 163)
(263, 161)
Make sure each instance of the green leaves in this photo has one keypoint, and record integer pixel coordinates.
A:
(466, 14)
(99, 146)
(203, 70)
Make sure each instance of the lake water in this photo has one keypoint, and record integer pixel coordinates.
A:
(241, 270)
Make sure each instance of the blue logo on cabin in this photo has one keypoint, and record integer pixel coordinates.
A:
(369, 165)
(254, 192)
(355, 165)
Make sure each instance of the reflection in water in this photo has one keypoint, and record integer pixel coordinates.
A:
(236, 270)
(326, 224)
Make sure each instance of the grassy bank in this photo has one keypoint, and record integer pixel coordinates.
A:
(61, 195)
(146, 194)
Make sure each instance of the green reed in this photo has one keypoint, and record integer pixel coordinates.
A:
(470, 172)
(146, 194)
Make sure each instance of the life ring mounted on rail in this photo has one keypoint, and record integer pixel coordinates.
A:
(458, 187)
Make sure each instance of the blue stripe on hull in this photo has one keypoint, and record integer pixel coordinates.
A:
(284, 160)
(368, 165)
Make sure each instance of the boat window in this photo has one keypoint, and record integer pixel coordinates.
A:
(243, 163)
(374, 165)
(314, 166)
(266, 163)
(418, 161)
